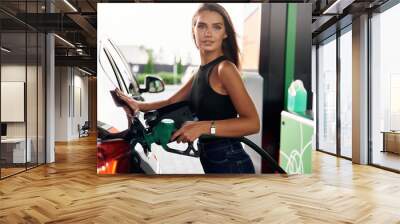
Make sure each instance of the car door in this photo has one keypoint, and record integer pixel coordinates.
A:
(113, 72)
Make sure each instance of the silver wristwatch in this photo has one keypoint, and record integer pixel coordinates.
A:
(213, 128)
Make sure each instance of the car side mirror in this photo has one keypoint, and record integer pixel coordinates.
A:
(153, 84)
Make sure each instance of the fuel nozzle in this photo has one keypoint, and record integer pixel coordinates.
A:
(161, 134)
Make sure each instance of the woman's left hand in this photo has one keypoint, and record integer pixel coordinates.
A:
(190, 131)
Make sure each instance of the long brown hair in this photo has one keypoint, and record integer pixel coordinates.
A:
(229, 44)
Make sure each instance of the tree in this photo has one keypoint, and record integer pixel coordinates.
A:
(179, 67)
(149, 67)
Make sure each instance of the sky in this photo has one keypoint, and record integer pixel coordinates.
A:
(159, 26)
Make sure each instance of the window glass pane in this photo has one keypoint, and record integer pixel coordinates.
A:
(107, 69)
(31, 97)
(41, 98)
(327, 96)
(346, 94)
(123, 70)
(385, 84)
(13, 85)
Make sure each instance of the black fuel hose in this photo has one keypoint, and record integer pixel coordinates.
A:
(264, 154)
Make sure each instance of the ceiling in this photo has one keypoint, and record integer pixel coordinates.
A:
(331, 15)
(75, 21)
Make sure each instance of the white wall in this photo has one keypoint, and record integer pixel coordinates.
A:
(61, 106)
(71, 94)
(14, 73)
(12, 101)
(33, 126)
(80, 97)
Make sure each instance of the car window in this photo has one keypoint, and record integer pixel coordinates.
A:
(128, 80)
(116, 71)
(108, 70)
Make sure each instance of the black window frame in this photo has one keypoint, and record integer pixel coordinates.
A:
(332, 37)
(378, 10)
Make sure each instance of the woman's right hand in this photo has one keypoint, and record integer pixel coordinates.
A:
(133, 104)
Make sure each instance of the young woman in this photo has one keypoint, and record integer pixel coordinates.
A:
(216, 94)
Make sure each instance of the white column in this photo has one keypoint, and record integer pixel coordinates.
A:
(50, 92)
(360, 90)
(50, 97)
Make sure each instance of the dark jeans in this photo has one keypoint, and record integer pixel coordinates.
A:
(224, 156)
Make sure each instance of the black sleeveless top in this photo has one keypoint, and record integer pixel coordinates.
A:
(204, 101)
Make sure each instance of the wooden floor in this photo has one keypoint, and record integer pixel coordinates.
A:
(13, 170)
(387, 159)
(10, 171)
(69, 191)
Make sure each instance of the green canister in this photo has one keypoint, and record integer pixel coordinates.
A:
(297, 97)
